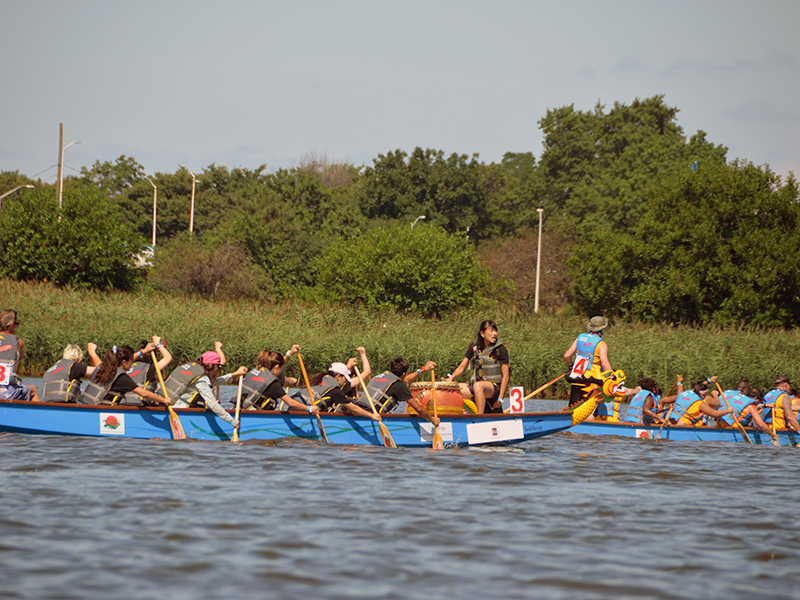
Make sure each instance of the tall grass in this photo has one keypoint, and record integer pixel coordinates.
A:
(52, 317)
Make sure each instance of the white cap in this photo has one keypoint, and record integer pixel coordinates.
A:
(341, 369)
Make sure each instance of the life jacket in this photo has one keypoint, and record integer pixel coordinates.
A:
(636, 413)
(9, 357)
(585, 360)
(485, 367)
(608, 411)
(686, 410)
(254, 385)
(772, 397)
(95, 393)
(378, 388)
(58, 387)
(330, 385)
(327, 384)
(138, 372)
(739, 403)
(181, 378)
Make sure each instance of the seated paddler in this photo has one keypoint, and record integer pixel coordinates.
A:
(12, 352)
(778, 405)
(62, 381)
(390, 388)
(110, 381)
(586, 358)
(488, 358)
(647, 404)
(143, 369)
(694, 405)
(262, 389)
(745, 410)
(191, 385)
(335, 390)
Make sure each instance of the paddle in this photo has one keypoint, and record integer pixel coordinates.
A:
(533, 393)
(666, 418)
(235, 437)
(387, 437)
(438, 444)
(174, 421)
(311, 398)
(733, 414)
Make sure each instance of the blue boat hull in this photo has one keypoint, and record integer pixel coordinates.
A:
(685, 434)
(198, 424)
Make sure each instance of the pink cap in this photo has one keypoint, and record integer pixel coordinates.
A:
(211, 358)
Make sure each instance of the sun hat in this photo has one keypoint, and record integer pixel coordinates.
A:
(597, 323)
(342, 370)
(211, 358)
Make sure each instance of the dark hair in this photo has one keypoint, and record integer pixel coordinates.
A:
(484, 326)
(743, 386)
(316, 379)
(755, 393)
(111, 362)
(145, 358)
(700, 386)
(398, 366)
(781, 379)
(650, 385)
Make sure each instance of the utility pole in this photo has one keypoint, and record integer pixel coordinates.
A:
(538, 262)
(60, 181)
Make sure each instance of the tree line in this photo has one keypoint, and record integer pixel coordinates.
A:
(640, 221)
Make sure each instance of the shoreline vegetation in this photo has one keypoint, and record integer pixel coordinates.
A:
(52, 317)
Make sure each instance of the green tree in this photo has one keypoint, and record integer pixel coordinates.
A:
(114, 178)
(85, 245)
(421, 269)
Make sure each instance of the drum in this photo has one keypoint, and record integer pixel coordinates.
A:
(448, 397)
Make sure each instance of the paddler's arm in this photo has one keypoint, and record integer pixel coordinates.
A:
(788, 413)
(706, 409)
(459, 369)
(760, 423)
(602, 354)
(506, 371)
(366, 370)
(422, 411)
(570, 352)
(91, 348)
(218, 350)
(151, 396)
(166, 357)
(230, 377)
(410, 377)
(299, 406)
(355, 409)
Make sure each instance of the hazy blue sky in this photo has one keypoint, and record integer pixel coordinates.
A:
(242, 83)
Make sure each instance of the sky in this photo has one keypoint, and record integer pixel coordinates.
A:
(250, 83)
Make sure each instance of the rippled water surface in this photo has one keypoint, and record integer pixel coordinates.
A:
(564, 516)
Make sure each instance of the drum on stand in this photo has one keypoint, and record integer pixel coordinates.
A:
(448, 397)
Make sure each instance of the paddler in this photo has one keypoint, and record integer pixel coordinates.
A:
(390, 388)
(489, 360)
(691, 405)
(262, 389)
(590, 354)
(143, 370)
(335, 388)
(648, 402)
(778, 402)
(12, 352)
(110, 381)
(62, 381)
(745, 410)
(193, 383)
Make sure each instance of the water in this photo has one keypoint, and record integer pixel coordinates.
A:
(561, 517)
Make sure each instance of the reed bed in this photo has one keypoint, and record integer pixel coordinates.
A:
(52, 317)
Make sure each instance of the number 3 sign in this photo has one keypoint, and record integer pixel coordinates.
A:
(517, 403)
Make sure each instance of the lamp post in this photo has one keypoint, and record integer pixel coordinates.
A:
(191, 209)
(538, 261)
(9, 192)
(61, 151)
(417, 219)
(155, 197)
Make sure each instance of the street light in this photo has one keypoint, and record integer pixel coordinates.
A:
(191, 209)
(155, 194)
(61, 151)
(538, 262)
(8, 193)
(417, 219)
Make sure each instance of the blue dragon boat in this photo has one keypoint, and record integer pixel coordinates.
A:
(198, 424)
(786, 437)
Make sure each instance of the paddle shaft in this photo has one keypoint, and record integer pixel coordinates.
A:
(311, 398)
(387, 436)
(733, 414)
(235, 437)
(174, 421)
(666, 419)
(533, 393)
(438, 444)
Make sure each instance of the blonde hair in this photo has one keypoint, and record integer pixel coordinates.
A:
(73, 352)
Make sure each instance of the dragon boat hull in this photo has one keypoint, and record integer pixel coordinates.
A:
(148, 423)
(684, 434)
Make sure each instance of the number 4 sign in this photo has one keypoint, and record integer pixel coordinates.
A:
(517, 403)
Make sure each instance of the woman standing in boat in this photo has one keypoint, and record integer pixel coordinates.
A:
(590, 354)
(488, 357)
(11, 354)
(262, 387)
(62, 381)
(110, 381)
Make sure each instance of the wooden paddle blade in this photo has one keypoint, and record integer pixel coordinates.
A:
(388, 441)
(175, 425)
